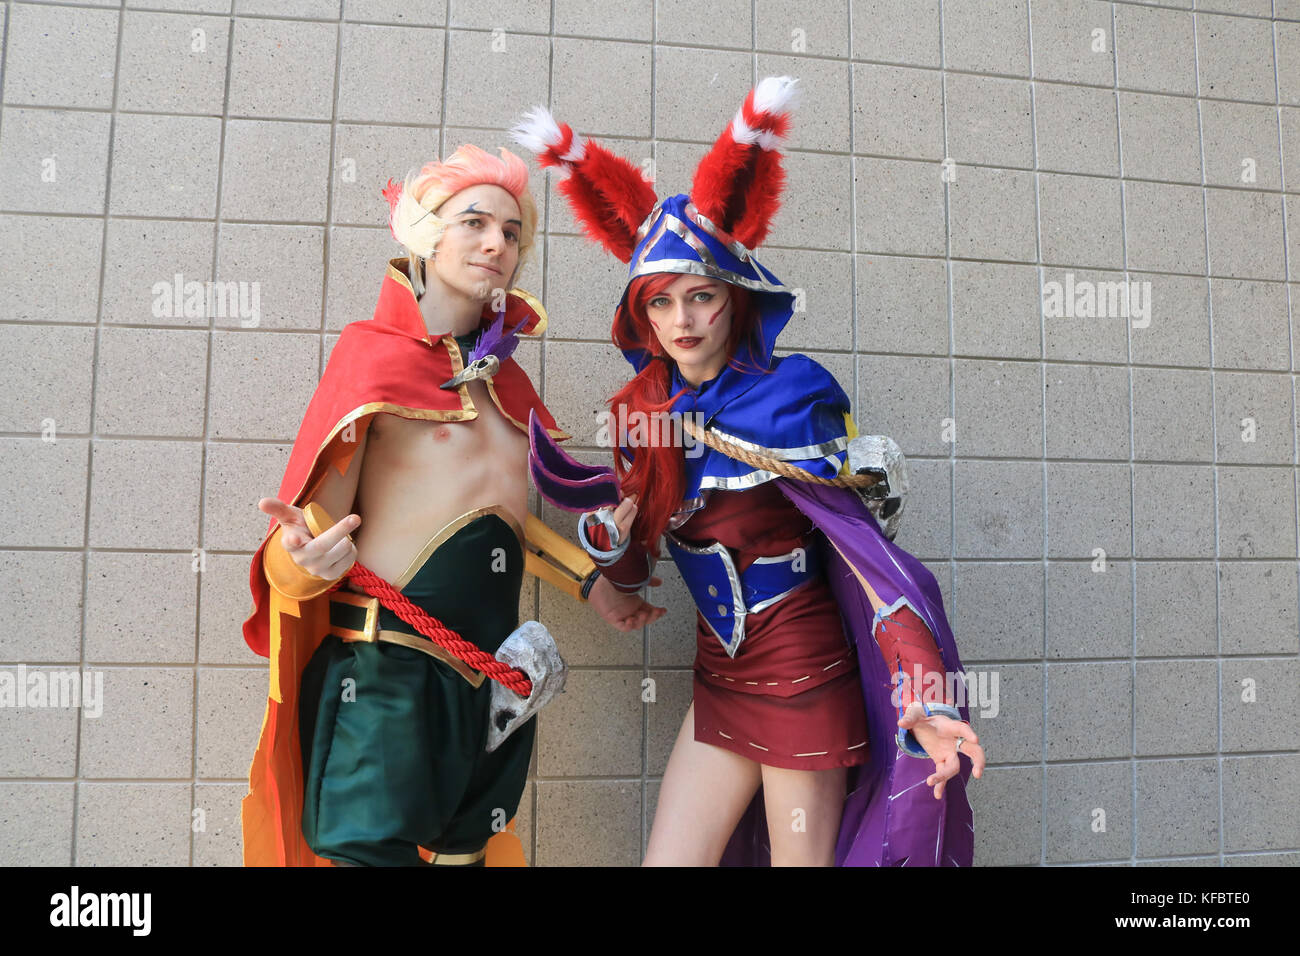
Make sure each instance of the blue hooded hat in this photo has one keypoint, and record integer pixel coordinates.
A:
(787, 408)
(677, 238)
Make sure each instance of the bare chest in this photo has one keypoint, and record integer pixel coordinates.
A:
(419, 475)
(425, 449)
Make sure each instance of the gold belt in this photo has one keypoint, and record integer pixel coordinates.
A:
(371, 633)
(451, 859)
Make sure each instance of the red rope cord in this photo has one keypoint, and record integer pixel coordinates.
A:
(435, 631)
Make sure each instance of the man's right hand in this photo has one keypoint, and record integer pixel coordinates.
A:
(328, 555)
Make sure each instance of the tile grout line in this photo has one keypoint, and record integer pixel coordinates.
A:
(1214, 434)
(4, 50)
(214, 266)
(1291, 189)
(853, 224)
(1132, 470)
(1286, 251)
(541, 388)
(446, 77)
(397, 124)
(91, 412)
(1287, 266)
(647, 821)
(327, 228)
(946, 186)
(1042, 335)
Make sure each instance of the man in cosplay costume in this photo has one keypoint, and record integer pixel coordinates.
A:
(398, 725)
(821, 644)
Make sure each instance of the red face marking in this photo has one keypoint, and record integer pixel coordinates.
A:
(718, 313)
(654, 323)
(441, 433)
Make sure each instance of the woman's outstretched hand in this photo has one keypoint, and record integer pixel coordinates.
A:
(939, 736)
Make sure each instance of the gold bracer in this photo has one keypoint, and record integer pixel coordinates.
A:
(555, 559)
(283, 574)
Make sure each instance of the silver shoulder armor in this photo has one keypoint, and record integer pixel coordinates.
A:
(880, 455)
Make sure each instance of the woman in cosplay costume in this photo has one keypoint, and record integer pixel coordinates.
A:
(384, 742)
(820, 643)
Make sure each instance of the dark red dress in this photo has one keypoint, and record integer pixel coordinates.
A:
(791, 696)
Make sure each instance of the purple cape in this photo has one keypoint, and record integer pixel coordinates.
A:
(890, 816)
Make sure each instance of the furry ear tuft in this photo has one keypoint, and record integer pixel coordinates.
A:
(738, 184)
(609, 196)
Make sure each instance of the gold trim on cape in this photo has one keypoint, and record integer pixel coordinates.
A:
(398, 274)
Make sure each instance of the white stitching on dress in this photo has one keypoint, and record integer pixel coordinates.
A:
(777, 683)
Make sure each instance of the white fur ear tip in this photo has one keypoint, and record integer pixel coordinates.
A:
(775, 94)
(540, 115)
(538, 130)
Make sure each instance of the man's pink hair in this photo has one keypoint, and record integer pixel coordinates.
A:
(411, 205)
(469, 166)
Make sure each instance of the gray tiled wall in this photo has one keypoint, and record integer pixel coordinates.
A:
(1110, 505)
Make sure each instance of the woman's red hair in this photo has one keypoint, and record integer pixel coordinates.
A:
(657, 474)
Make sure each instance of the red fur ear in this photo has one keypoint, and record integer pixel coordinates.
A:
(609, 195)
(738, 184)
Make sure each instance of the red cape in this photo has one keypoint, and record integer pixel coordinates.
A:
(386, 365)
(391, 364)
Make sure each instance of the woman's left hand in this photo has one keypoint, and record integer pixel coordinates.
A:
(939, 736)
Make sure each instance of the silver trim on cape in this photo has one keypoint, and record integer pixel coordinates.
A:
(802, 453)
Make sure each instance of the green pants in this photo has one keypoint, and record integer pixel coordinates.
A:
(393, 739)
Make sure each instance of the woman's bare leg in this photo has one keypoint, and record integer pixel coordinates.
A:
(704, 793)
(803, 814)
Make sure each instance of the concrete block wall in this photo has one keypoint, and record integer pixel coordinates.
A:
(1109, 501)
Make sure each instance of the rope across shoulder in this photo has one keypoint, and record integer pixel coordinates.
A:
(774, 465)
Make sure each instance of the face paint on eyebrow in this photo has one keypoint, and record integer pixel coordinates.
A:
(472, 207)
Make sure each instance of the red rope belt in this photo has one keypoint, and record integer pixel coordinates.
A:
(451, 642)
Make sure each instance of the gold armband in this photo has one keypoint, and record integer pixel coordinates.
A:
(556, 559)
(283, 573)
